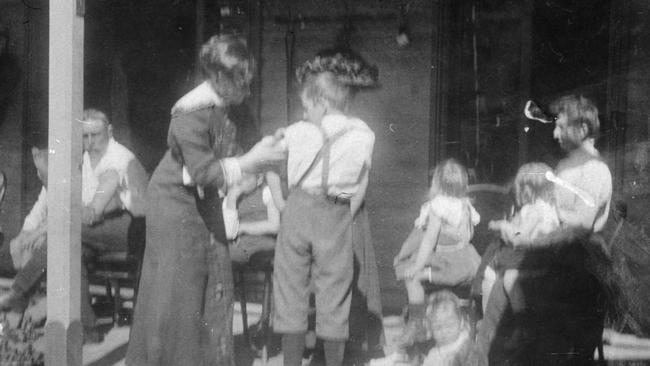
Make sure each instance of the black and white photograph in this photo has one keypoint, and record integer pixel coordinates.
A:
(324, 182)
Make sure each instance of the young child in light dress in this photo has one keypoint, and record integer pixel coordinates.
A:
(445, 256)
(537, 217)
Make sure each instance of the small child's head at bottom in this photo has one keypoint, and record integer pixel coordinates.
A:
(444, 317)
(249, 182)
(531, 184)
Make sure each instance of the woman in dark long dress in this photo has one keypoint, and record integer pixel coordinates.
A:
(183, 314)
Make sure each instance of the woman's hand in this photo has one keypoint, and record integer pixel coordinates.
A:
(264, 154)
(495, 225)
(412, 272)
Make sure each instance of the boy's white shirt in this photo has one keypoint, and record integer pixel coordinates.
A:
(348, 155)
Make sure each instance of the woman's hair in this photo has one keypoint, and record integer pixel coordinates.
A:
(227, 60)
(579, 110)
(531, 184)
(450, 179)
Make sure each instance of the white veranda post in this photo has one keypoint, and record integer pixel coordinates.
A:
(63, 330)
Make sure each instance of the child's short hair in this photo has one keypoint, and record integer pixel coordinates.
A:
(450, 179)
(326, 87)
(531, 184)
(444, 298)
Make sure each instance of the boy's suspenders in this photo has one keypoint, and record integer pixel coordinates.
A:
(324, 155)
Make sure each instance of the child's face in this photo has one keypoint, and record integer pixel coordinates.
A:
(248, 183)
(313, 111)
(446, 325)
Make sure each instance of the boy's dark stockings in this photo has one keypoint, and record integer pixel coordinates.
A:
(292, 347)
(334, 351)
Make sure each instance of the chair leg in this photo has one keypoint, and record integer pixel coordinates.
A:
(601, 354)
(266, 314)
(242, 303)
(109, 290)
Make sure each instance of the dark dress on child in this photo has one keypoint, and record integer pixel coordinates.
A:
(183, 314)
(252, 208)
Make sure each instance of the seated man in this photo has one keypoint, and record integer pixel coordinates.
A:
(113, 188)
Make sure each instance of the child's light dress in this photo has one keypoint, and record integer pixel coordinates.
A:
(454, 260)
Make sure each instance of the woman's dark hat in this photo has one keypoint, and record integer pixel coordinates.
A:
(348, 67)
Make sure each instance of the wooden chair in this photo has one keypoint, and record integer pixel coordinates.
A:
(117, 270)
(262, 262)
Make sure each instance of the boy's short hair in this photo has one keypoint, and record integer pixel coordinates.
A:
(578, 110)
(326, 87)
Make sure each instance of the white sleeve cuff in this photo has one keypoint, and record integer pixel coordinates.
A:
(231, 172)
(231, 222)
(187, 178)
